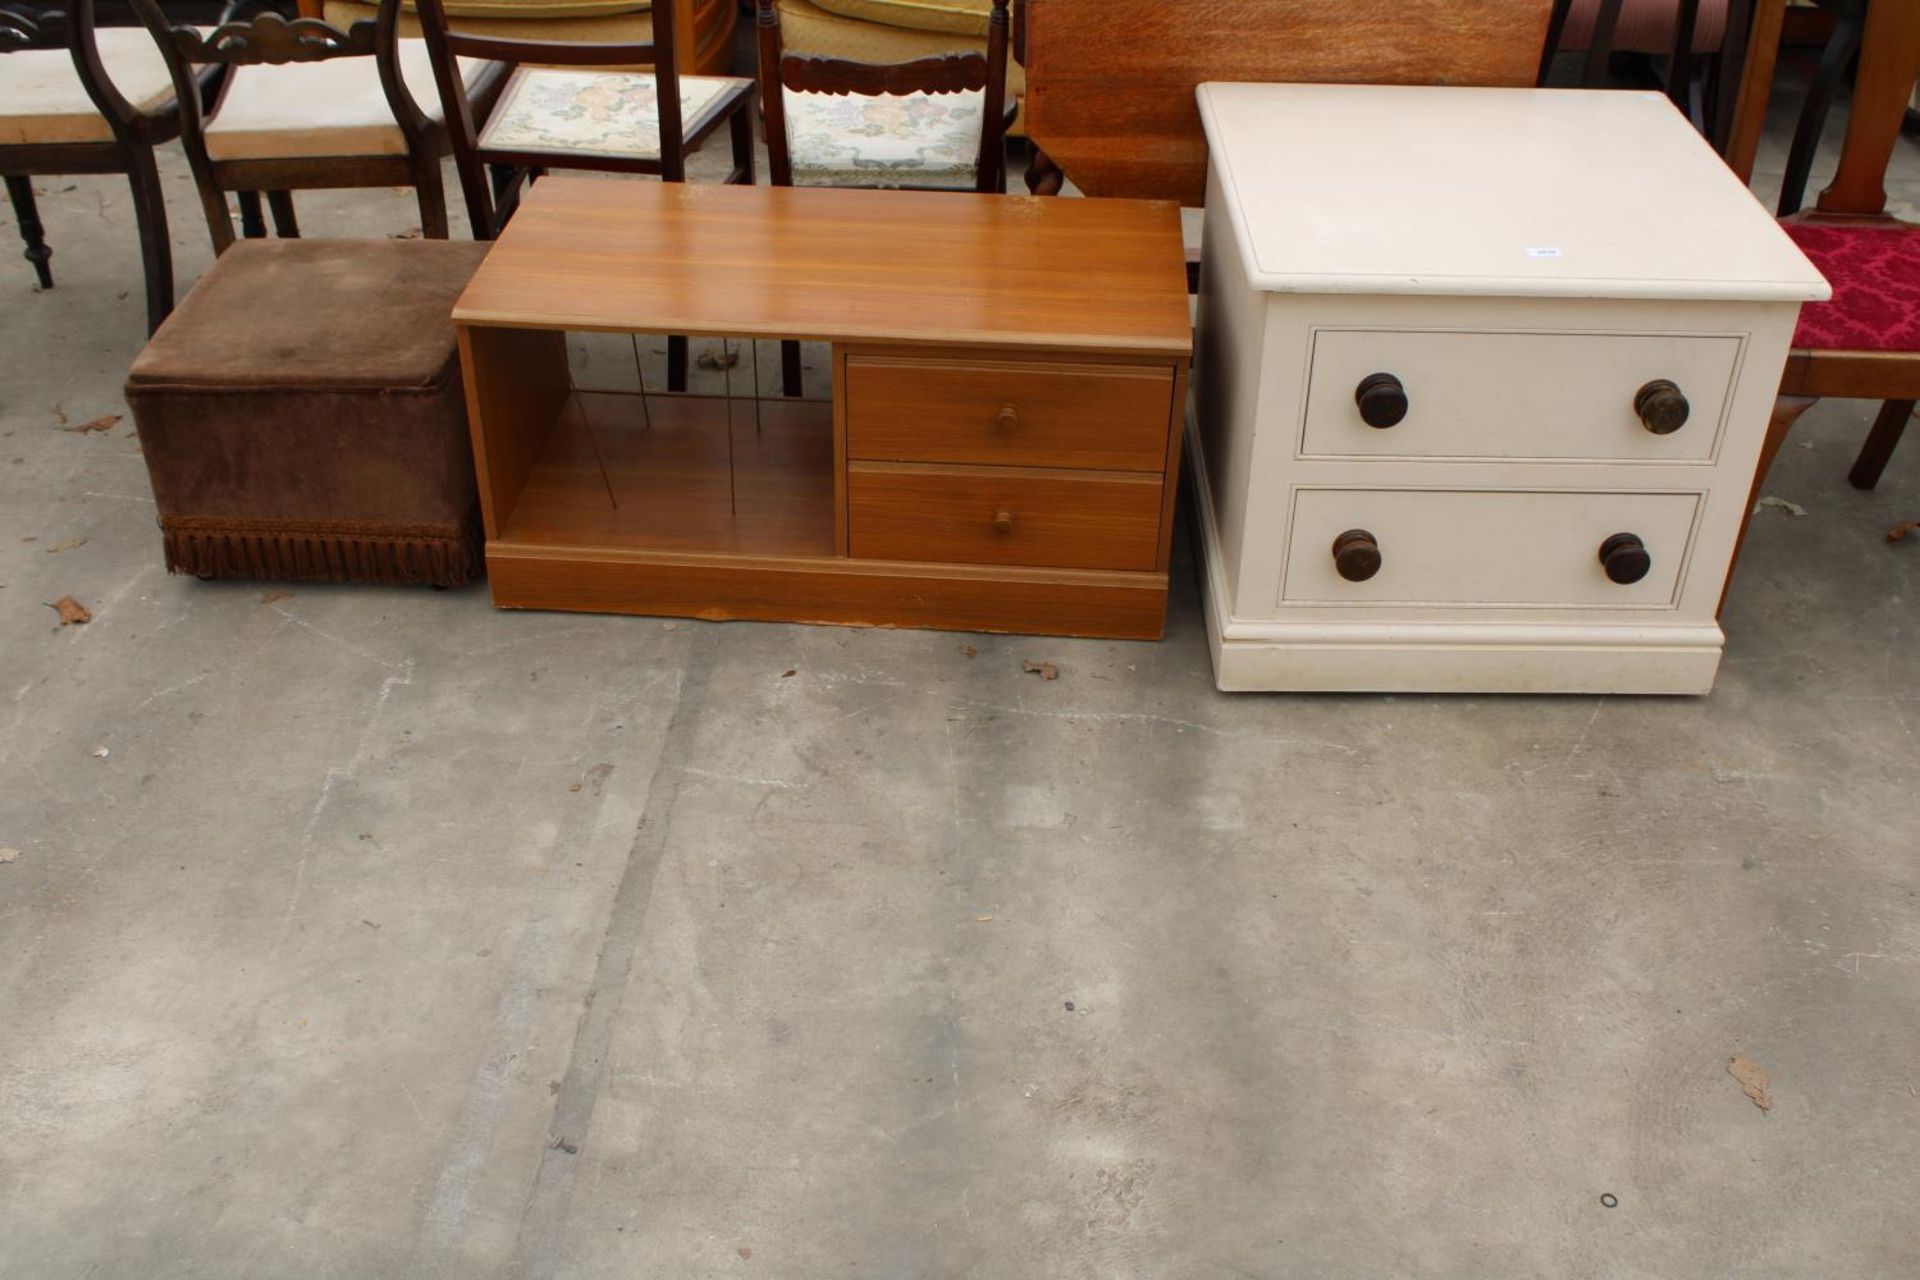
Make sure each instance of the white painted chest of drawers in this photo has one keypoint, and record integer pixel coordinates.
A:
(1481, 379)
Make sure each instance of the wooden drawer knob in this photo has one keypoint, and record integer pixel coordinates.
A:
(1662, 407)
(1003, 522)
(1625, 558)
(1008, 418)
(1356, 556)
(1382, 400)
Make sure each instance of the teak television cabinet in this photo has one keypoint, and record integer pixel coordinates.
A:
(1001, 451)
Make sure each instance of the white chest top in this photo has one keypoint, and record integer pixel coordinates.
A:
(1513, 192)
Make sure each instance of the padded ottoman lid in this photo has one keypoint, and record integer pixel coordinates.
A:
(963, 17)
(318, 314)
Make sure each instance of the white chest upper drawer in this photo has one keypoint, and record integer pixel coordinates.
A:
(1542, 396)
(1491, 548)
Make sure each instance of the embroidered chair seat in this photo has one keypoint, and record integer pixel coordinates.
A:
(331, 108)
(599, 113)
(43, 101)
(893, 140)
(1875, 274)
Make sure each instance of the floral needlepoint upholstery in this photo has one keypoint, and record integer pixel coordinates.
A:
(895, 140)
(601, 113)
(1875, 274)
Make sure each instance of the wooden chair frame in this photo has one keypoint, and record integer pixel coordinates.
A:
(135, 135)
(1889, 62)
(1713, 114)
(271, 40)
(488, 207)
(943, 73)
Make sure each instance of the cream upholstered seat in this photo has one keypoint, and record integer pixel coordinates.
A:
(893, 140)
(332, 108)
(42, 100)
(600, 113)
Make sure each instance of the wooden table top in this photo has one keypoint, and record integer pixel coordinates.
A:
(909, 267)
(1110, 82)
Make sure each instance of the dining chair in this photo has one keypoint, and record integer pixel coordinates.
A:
(937, 123)
(79, 99)
(307, 106)
(1704, 42)
(577, 105)
(1865, 342)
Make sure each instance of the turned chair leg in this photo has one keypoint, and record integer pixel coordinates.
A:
(1878, 450)
(27, 214)
(790, 382)
(156, 248)
(285, 225)
(431, 193)
(253, 224)
(676, 362)
(1786, 412)
(742, 135)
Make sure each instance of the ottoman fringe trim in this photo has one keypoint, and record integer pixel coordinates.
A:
(440, 555)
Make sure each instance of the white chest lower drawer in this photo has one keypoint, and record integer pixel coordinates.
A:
(1489, 548)
(1519, 395)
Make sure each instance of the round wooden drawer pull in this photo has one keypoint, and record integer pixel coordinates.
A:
(1662, 407)
(1003, 522)
(1009, 418)
(1382, 400)
(1625, 558)
(1356, 555)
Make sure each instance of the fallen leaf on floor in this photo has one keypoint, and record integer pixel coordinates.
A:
(100, 753)
(1045, 670)
(1753, 1081)
(723, 360)
(1901, 530)
(576, 786)
(98, 424)
(1780, 504)
(982, 919)
(72, 612)
(967, 650)
(745, 1251)
(790, 671)
(68, 545)
(275, 597)
(9, 855)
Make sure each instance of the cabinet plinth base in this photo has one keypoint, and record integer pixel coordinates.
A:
(1119, 606)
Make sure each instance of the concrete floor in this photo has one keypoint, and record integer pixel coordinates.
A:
(360, 933)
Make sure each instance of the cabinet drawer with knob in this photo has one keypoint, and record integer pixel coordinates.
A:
(1003, 515)
(1488, 548)
(1019, 413)
(1517, 396)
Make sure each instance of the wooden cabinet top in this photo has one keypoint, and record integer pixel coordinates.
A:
(891, 266)
(1514, 192)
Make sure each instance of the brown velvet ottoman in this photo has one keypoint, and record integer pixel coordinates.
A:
(303, 418)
